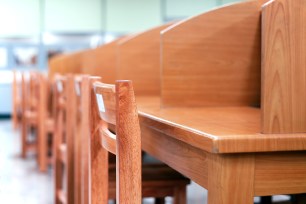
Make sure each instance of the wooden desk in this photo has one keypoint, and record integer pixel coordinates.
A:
(222, 150)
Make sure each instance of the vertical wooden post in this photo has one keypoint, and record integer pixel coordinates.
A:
(24, 129)
(228, 172)
(284, 66)
(70, 133)
(86, 90)
(128, 152)
(98, 156)
(42, 116)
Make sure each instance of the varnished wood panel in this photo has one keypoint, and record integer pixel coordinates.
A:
(139, 61)
(101, 61)
(213, 58)
(231, 179)
(216, 129)
(66, 63)
(280, 173)
(175, 153)
(283, 70)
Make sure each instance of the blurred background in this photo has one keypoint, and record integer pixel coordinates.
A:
(31, 31)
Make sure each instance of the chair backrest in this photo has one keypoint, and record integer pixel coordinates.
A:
(116, 105)
(65, 124)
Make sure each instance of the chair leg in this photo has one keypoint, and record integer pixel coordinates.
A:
(180, 195)
(159, 200)
(23, 139)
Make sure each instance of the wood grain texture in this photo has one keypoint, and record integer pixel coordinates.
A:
(98, 173)
(102, 61)
(213, 59)
(231, 179)
(128, 174)
(66, 63)
(216, 129)
(184, 158)
(70, 137)
(105, 96)
(59, 157)
(280, 173)
(86, 90)
(139, 61)
(283, 67)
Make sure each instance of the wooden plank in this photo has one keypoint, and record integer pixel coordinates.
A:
(283, 70)
(177, 154)
(139, 61)
(280, 173)
(231, 179)
(101, 61)
(213, 59)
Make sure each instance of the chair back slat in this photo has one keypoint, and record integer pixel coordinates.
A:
(106, 100)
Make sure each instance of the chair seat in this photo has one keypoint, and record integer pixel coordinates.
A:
(158, 180)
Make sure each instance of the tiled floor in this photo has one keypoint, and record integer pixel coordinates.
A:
(21, 183)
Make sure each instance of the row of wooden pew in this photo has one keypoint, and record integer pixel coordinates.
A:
(220, 96)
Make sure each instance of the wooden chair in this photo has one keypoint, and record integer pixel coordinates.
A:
(46, 124)
(16, 99)
(30, 83)
(63, 139)
(117, 131)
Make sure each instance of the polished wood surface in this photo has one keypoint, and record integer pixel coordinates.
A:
(139, 60)
(66, 63)
(102, 61)
(283, 71)
(213, 59)
(216, 129)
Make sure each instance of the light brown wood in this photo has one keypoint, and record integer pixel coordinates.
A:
(280, 173)
(158, 180)
(283, 70)
(217, 129)
(184, 158)
(231, 179)
(84, 82)
(45, 122)
(70, 136)
(139, 61)
(128, 174)
(65, 103)
(102, 61)
(59, 148)
(30, 113)
(128, 142)
(213, 59)
(16, 99)
(66, 63)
